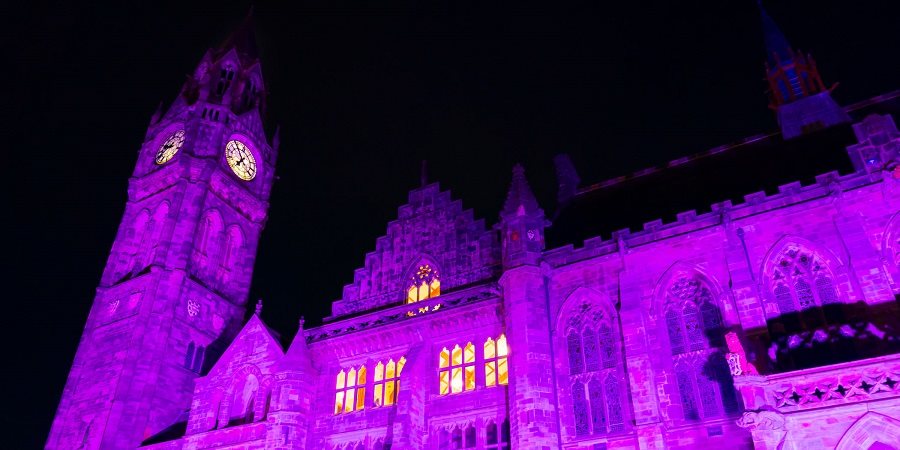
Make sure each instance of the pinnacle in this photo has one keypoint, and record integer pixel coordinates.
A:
(519, 200)
(777, 47)
(243, 39)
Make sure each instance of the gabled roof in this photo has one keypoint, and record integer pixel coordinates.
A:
(254, 325)
(729, 172)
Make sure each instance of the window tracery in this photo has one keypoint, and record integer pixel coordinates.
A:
(458, 437)
(595, 365)
(496, 364)
(425, 284)
(350, 389)
(456, 369)
(387, 382)
(696, 339)
(800, 285)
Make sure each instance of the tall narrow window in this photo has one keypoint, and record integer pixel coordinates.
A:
(457, 369)
(592, 347)
(495, 439)
(350, 389)
(226, 74)
(696, 335)
(189, 357)
(425, 284)
(387, 382)
(199, 354)
(793, 273)
(496, 365)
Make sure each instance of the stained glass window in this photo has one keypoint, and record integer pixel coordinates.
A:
(683, 377)
(425, 284)
(795, 271)
(598, 406)
(616, 416)
(580, 407)
(695, 330)
(576, 363)
(591, 352)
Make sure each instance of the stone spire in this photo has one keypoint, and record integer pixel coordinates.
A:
(520, 200)
(243, 40)
(258, 310)
(522, 223)
(800, 99)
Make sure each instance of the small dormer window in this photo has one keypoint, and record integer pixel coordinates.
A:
(225, 77)
(425, 284)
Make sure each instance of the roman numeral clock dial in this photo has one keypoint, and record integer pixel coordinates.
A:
(240, 159)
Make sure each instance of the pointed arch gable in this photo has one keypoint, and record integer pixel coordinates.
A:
(680, 269)
(574, 304)
(785, 242)
(797, 274)
(870, 429)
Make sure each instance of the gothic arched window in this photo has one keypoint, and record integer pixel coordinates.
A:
(387, 382)
(243, 401)
(696, 338)
(350, 390)
(226, 75)
(233, 242)
(425, 283)
(592, 345)
(497, 439)
(799, 283)
(456, 369)
(496, 365)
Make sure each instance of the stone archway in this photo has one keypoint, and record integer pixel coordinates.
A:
(872, 431)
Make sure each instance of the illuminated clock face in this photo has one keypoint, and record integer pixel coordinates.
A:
(170, 147)
(240, 159)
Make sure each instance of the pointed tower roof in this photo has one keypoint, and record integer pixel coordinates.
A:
(777, 47)
(243, 40)
(519, 200)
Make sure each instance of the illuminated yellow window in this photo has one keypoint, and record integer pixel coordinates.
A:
(425, 284)
(457, 369)
(496, 365)
(387, 382)
(350, 389)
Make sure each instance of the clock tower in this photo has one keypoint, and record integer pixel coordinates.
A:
(178, 275)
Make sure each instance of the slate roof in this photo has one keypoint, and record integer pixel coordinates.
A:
(758, 163)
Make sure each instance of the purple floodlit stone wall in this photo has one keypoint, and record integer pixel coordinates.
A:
(431, 229)
(677, 336)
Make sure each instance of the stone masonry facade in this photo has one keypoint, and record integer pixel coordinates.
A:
(712, 331)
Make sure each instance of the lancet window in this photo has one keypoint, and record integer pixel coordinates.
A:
(696, 338)
(193, 359)
(387, 382)
(497, 439)
(350, 390)
(457, 438)
(496, 364)
(226, 75)
(424, 284)
(595, 370)
(457, 369)
(243, 401)
(801, 284)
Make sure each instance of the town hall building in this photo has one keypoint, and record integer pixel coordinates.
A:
(767, 321)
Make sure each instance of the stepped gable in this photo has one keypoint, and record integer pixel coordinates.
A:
(758, 163)
(433, 229)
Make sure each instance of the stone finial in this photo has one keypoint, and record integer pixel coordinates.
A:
(302, 321)
(258, 307)
(520, 200)
(154, 119)
(423, 174)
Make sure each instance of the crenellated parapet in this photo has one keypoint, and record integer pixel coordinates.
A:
(431, 229)
(828, 185)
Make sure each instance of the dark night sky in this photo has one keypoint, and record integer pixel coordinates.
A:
(363, 95)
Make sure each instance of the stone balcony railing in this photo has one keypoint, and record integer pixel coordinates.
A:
(851, 382)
